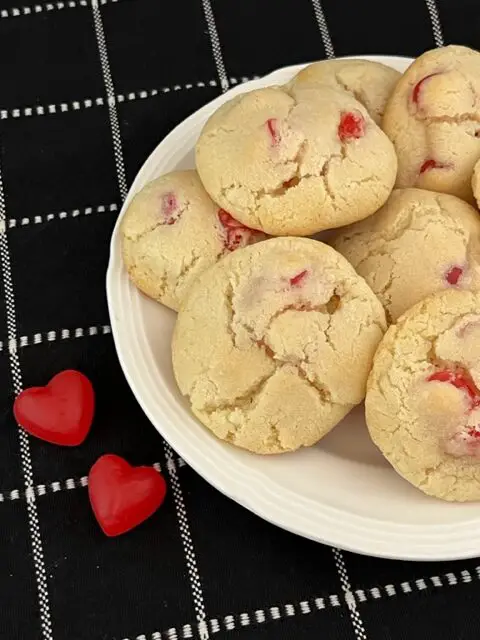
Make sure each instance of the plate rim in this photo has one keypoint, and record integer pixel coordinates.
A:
(358, 538)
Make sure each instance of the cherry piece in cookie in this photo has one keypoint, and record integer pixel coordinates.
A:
(169, 208)
(123, 496)
(59, 413)
(419, 86)
(460, 379)
(453, 275)
(352, 126)
(272, 126)
(297, 280)
(236, 234)
(466, 441)
(430, 164)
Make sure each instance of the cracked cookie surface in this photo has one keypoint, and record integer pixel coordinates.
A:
(172, 231)
(423, 396)
(371, 83)
(418, 243)
(476, 183)
(288, 165)
(274, 344)
(433, 119)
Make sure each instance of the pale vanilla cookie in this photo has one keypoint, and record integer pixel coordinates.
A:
(298, 163)
(274, 344)
(371, 83)
(423, 396)
(476, 182)
(172, 231)
(418, 243)
(433, 119)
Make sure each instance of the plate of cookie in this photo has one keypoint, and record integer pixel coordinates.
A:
(294, 292)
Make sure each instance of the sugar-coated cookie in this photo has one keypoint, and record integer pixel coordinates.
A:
(274, 344)
(418, 243)
(172, 231)
(433, 119)
(423, 396)
(295, 163)
(371, 83)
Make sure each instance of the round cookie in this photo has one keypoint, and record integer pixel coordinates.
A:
(423, 396)
(172, 231)
(371, 83)
(476, 182)
(298, 163)
(433, 119)
(274, 344)
(418, 243)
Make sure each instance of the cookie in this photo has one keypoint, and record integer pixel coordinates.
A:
(423, 396)
(418, 243)
(172, 231)
(476, 183)
(371, 83)
(274, 344)
(295, 164)
(433, 119)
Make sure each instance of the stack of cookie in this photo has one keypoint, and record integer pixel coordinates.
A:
(276, 337)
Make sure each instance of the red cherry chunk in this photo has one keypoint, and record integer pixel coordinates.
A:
(169, 208)
(236, 234)
(272, 126)
(460, 379)
(297, 280)
(352, 125)
(453, 275)
(418, 87)
(430, 164)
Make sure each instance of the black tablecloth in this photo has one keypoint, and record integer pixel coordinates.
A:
(87, 90)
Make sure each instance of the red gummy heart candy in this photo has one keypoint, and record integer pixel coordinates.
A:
(61, 412)
(123, 496)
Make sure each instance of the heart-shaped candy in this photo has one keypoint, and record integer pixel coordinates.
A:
(61, 412)
(123, 496)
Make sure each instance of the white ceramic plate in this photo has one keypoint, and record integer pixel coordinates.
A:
(340, 492)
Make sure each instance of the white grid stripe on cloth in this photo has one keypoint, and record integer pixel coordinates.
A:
(187, 542)
(215, 41)
(435, 20)
(25, 456)
(15, 12)
(195, 582)
(322, 25)
(100, 101)
(239, 621)
(14, 223)
(349, 596)
(112, 104)
(55, 335)
(62, 485)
